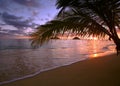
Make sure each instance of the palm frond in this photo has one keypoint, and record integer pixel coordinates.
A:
(81, 27)
(84, 18)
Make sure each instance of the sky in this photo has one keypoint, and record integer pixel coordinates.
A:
(20, 17)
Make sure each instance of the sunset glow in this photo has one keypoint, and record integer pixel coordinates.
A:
(92, 38)
(95, 55)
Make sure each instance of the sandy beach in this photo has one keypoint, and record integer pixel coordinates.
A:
(102, 71)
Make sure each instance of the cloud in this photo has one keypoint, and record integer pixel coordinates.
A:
(16, 25)
(35, 13)
(7, 27)
(15, 21)
(10, 33)
(4, 4)
(5, 15)
(16, 32)
(30, 3)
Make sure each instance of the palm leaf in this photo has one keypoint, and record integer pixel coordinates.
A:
(84, 18)
(85, 27)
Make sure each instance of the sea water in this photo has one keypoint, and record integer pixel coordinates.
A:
(18, 59)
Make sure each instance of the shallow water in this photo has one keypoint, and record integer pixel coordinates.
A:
(19, 60)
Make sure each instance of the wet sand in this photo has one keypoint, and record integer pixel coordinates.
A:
(103, 71)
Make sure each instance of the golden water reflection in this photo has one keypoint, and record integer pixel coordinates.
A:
(95, 48)
(98, 52)
(95, 55)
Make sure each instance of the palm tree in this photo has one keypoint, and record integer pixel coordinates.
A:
(84, 18)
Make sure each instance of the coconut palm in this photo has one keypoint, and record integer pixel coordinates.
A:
(84, 18)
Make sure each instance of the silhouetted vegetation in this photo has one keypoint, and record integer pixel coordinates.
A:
(84, 18)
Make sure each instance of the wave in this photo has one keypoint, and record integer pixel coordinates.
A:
(36, 73)
(108, 47)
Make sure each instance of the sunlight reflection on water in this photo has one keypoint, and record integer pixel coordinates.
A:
(105, 50)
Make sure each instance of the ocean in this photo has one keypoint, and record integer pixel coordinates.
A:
(18, 59)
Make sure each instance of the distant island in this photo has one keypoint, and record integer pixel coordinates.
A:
(76, 38)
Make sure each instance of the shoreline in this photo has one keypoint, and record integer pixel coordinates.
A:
(52, 68)
(101, 71)
(39, 72)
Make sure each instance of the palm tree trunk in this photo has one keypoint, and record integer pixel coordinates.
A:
(115, 38)
(117, 43)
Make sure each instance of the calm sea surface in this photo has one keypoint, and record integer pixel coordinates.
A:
(19, 60)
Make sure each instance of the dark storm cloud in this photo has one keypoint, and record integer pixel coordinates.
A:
(31, 3)
(15, 21)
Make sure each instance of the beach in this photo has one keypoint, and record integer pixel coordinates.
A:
(102, 71)
(60, 43)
